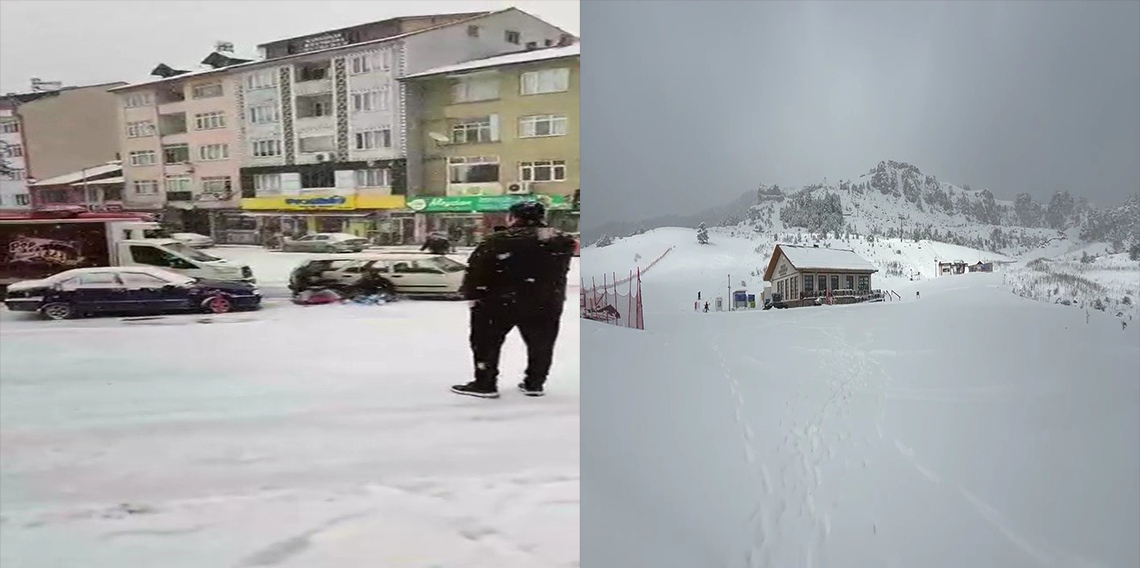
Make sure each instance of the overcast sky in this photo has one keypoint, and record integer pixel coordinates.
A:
(88, 42)
(700, 102)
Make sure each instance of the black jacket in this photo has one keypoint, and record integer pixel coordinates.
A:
(437, 245)
(524, 264)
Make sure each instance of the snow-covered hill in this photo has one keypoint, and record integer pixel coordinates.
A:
(896, 199)
(965, 428)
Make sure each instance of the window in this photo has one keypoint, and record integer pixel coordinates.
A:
(513, 37)
(312, 73)
(373, 139)
(480, 169)
(211, 152)
(472, 131)
(54, 195)
(146, 187)
(142, 158)
(368, 62)
(546, 81)
(264, 114)
(9, 127)
(262, 80)
(267, 184)
(98, 279)
(795, 287)
(864, 283)
(112, 193)
(14, 174)
(177, 184)
(548, 170)
(13, 150)
(138, 100)
(140, 280)
(471, 90)
(317, 179)
(472, 31)
(140, 129)
(850, 283)
(176, 153)
(380, 177)
(207, 91)
(542, 125)
(317, 144)
(266, 148)
(809, 283)
(210, 120)
(834, 282)
(370, 100)
(218, 186)
(22, 199)
(314, 106)
(822, 280)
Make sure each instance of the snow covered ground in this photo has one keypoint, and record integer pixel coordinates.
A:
(289, 437)
(972, 427)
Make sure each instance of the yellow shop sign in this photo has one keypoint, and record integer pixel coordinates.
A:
(322, 202)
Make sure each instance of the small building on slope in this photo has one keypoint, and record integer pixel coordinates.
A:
(802, 274)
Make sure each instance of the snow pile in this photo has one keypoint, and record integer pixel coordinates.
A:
(967, 428)
(289, 437)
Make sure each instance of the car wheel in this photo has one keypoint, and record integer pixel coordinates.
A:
(218, 305)
(58, 311)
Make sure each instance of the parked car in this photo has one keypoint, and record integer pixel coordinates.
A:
(135, 290)
(325, 242)
(403, 273)
(193, 239)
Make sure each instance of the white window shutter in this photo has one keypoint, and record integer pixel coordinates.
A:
(495, 127)
(291, 182)
(345, 179)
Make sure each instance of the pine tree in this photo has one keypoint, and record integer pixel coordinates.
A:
(702, 234)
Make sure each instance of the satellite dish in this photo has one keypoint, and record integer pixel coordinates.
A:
(438, 137)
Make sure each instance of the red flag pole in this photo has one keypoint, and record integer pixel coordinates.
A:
(640, 316)
(629, 299)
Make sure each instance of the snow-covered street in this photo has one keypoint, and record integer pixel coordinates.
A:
(971, 427)
(292, 437)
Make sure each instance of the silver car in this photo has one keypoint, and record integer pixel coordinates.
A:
(325, 242)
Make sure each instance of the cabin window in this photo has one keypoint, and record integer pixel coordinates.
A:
(834, 281)
(809, 283)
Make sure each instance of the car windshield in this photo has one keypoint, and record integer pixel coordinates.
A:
(191, 253)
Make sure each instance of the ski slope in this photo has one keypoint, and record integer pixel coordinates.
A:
(969, 428)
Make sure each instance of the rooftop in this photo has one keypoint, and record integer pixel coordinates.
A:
(812, 258)
(86, 173)
(330, 51)
(459, 15)
(529, 56)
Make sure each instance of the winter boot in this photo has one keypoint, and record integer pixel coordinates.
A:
(475, 389)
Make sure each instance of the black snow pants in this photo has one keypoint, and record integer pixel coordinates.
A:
(492, 319)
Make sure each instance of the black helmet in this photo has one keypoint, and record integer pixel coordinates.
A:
(528, 211)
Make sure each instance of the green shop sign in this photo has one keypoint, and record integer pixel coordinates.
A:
(482, 203)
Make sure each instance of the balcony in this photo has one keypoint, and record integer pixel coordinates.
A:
(179, 196)
(171, 124)
(314, 106)
(168, 99)
(313, 79)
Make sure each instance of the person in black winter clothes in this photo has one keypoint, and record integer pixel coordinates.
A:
(437, 244)
(516, 278)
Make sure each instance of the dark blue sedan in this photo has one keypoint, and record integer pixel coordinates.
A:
(128, 290)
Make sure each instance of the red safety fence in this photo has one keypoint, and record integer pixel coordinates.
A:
(617, 302)
(610, 304)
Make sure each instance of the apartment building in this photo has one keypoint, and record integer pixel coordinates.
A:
(493, 132)
(50, 131)
(324, 144)
(14, 195)
(179, 143)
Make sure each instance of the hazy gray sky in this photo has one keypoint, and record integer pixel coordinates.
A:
(699, 102)
(91, 42)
